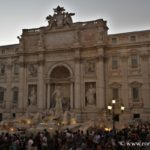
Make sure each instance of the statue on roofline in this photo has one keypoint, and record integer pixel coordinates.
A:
(60, 18)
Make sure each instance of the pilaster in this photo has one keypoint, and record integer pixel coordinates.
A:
(100, 85)
(21, 100)
(145, 75)
(71, 95)
(48, 96)
(41, 88)
(77, 80)
(125, 87)
(8, 85)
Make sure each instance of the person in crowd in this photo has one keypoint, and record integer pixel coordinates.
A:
(94, 139)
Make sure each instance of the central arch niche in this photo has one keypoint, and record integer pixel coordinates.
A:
(60, 72)
(61, 88)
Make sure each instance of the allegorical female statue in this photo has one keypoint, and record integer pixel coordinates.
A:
(57, 99)
(32, 99)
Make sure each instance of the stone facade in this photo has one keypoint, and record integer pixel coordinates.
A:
(76, 66)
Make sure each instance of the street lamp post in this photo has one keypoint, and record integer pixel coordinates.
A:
(112, 107)
(113, 115)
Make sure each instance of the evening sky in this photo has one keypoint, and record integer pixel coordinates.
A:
(121, 15)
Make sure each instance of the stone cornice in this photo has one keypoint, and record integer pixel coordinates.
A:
(134, 105)
(77, 59)
(144, 55)
(127, 45)
(40, 62)
(75, 26)
(22, 64)
(124, 56)
(9, 66)
(100, 58)
(94, 58)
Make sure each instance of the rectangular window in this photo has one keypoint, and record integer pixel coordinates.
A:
(114, 40)
(1, 116)
(116, 117)
(15, 96)
(132, 38)
(114, 62)
(16, 69)
(135, 116)
(134, 61)
(1, 96)
(14, 115)
(115, 93)
(3, 51)
(135, 93)
(2, 69)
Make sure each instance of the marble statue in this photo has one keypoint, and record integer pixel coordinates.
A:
(57, 97)
(68, 19)
(90, 95)
(32, 100)
(60, 18)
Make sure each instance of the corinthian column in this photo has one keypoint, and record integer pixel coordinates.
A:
(8, 91)
(71, 96)
(21, 101)
(125, 88)
(77, 80)
(41, 88)
(145, 75)
(100, 86)
(48, 96)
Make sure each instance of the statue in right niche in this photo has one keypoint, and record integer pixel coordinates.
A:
(90, 95)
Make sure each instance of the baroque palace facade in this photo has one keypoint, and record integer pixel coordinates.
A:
(76, 67)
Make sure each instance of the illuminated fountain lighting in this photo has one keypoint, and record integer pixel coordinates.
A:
(50, 128)
(73, 121)
(12, 129)
(64, 122)
(29, 122)
(107, 129)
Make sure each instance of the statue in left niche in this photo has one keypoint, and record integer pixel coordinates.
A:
(60, 18)
(32, 98)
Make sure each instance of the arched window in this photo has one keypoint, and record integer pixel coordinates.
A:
(60, 72)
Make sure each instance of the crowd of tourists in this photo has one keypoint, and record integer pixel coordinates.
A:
(130, 138)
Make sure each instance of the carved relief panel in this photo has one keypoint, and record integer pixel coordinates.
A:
(89, 67)
(89, 36)
(32, 70)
